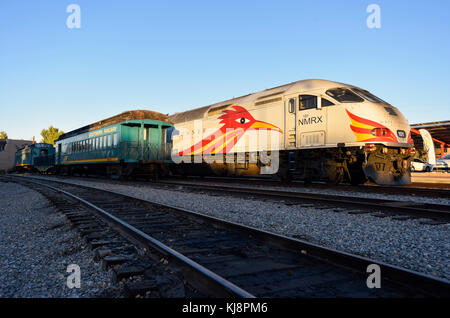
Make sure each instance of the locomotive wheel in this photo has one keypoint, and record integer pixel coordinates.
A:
(115, 173)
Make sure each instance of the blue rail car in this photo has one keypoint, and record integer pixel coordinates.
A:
(39, 157)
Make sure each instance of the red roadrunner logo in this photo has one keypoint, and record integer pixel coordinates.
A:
(235, 122)
(368, 131)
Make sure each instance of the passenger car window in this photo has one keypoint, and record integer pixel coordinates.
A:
(307, 101)
(344, 95)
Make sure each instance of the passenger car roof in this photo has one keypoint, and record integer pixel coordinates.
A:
(128, 115)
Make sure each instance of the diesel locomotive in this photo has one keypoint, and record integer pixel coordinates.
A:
(38, 157)
(319, 130)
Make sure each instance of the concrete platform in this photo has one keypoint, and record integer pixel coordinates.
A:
(431, 177)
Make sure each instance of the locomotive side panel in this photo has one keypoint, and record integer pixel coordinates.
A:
(230, 141)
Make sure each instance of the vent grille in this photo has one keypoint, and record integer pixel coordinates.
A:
(273, 100)
(270, 95)
(217, 110)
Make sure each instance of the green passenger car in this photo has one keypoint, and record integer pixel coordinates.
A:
(132, 143)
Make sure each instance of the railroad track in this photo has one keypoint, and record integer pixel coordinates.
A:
(399, 210)
(421, 189)
(225, 259)
(432, 214)
(439, 190)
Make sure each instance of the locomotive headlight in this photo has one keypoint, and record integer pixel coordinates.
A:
(370, 147)
(380, 132)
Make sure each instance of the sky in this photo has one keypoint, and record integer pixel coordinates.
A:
(172, 56)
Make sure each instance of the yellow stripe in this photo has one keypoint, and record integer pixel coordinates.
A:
(198, 151)
(91, 160)
(22, 164)
(224, 145)
(360, 137)
(361, 125)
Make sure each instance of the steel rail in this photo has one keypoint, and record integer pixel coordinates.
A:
(214, 283)
(424, 210)
(429, 285)
(434, 190)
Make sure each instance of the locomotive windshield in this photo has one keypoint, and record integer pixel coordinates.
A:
(370, 97)
(344, 95)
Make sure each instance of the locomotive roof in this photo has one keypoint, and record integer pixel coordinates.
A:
(267, 94)
(128, 115)
(36, 145)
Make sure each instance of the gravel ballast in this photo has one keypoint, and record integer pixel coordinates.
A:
(407, 243)
(36, 246)
(358, 192)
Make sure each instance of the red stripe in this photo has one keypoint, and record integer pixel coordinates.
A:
(210, 149)
(361, 130)
(364, 121)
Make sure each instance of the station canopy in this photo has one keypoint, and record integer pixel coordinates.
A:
(440, 131)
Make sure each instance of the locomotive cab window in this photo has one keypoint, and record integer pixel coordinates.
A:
(368, 96)
(326, 102)
(292, 105)
(344, 95)
(307, 102)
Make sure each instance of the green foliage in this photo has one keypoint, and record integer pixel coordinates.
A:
(3, 135)
(50, 135)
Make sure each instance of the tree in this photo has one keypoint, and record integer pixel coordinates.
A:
(50, 135)
(3, 135)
